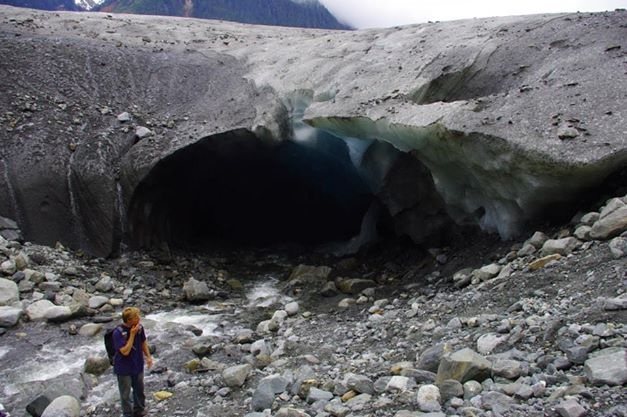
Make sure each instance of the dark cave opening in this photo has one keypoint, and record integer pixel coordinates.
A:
(233, 188)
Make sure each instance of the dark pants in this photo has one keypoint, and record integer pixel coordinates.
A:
(138, 404)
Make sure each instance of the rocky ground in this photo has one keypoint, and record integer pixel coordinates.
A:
(480, 328)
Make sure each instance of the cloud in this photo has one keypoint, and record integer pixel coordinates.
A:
(385, 13)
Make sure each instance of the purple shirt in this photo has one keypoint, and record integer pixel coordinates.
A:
(133, 364)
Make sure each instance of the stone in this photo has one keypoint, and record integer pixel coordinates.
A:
(354, 285)
(611, 225)
(196, 291)
(291, 308)
(308, 274)
(544, 261)
(37, 407)
(336, 409)
(607, 367)
(613, 304)
(58, 314)
(570, 408)
(97, 301)
(429, 359)
(618, 247)
(263, 397)
(63, 406)
(507, 368)
(428, 398)
(471, 389)
(537, 240)
(567, 132)
(462, 366)
(450, 388)
(235, 376)
(142, 132)
(359, 383)
(37, 310)
(486, 272)
(9, 292)
(489, 342)
(105, 284)
(162, 395)
(124, 117)
(316, 394)
(90, 329)
(9, 316)
(8, 267)
(583, 232)
(291, 412)
(398, 383)
(96, 365)
(562, 247)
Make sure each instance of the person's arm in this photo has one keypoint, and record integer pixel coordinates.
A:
(126, 349)
(147, 354)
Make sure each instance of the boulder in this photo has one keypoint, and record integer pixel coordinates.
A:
(607, 367)
(9, 293)
(610, 225)
(196, 291)
(9, 316)
(463, 365)
(64, 406)
(235, 376)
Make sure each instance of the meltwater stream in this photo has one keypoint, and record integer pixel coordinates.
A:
(44, 357)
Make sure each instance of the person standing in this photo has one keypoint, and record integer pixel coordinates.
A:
(129, 340)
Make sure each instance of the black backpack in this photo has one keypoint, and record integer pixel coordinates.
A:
(108, 341)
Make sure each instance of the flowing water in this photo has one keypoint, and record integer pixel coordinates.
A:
(42, 355)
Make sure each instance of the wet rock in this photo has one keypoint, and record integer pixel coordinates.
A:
(462, 366)
(96, 365)
(292, 308)
(36, 407)
(65, 406)
(196, 291)
(607, 366)
(90, 329)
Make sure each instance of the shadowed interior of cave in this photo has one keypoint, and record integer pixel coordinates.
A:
(234, 188)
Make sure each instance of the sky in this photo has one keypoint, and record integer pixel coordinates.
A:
(385, 13)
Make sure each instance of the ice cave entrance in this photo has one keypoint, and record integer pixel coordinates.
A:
(234, 188)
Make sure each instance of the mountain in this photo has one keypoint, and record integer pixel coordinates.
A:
(308, 14)
(44, 4)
